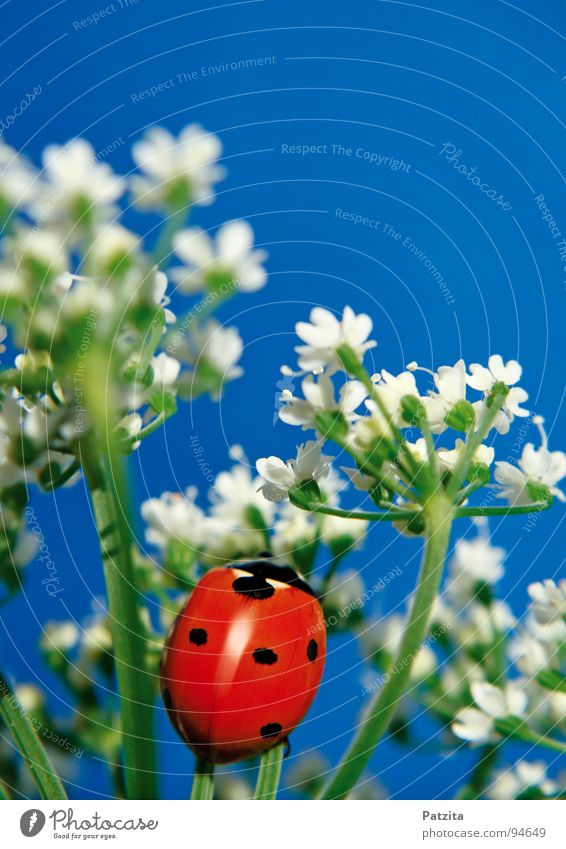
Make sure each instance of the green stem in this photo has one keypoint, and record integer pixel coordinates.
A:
(475, 440)
(372, 516)
(481, 774)
(26, 738)
(203, 781)
(536, 506)
(438, 517)
(4, 796)
(269, 773)
(162, 250)
(66, 476)
(148, 429)
(129, 645)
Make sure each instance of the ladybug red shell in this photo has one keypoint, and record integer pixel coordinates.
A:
(243, 661)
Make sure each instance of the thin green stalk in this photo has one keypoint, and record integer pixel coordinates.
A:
(203, 781)
(475, 440)
(481, 774)
(369, 515)
(536, 506)
(438, 518)
(174, 223)
(148, 429)
(269, 773)
(514, 728)
(26, 738)
(129, 644)
(4, 796)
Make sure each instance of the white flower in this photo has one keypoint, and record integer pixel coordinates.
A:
(450, 382)
(484, 625)
(159, 296)
(234, 492)
(78, 189)
(511, 783)
(325, 333)
(3, 336)
(548, 601)
(539, 467)
(30, 698)
(165, 370)
(338, 528)
(17, 177)
(448, 459)
(293, 530)
(385, 635)
(228, 262)
(361, 482)
(174, 516)
(483, 379)
(477, 724)
(132, 424)
(528, 653)
(37, 257)
(280, 477)
(211, 345)
(474, 562)
(114, 248)
(177, 171)
(319, 396)
(345, 592)
(60, 635)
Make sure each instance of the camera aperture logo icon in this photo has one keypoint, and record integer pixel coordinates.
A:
(31, 822)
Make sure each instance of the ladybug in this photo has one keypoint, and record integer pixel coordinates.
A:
(243, 660)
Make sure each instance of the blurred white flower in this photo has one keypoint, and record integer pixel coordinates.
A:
(528, 653)
(484, 625)
(319, 396)
(226, 262)
(3, 337)
(160, 298)
(78, 189)
(60, 635)
(281, 476)
(548, 601)
(474, 562)
(31, 698)
(325, 333)
(524, 775)
(344, 591)
(176, 171)
(17, 178)
(293, 530)
(174, 516)
(234, 492)
(338, 528)
(113, 249)
(165, 370)
(477, 724)
(385, 635)
(213, 346)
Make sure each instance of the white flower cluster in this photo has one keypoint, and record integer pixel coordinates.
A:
(482, 667)
(239, 522)
(86, 302)
(372, 418)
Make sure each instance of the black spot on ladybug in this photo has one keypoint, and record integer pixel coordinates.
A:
(167, 700)
(265, 656)
(253, 586)
(198, 636)
(312, 650)
(272, 729)
(283, 574)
